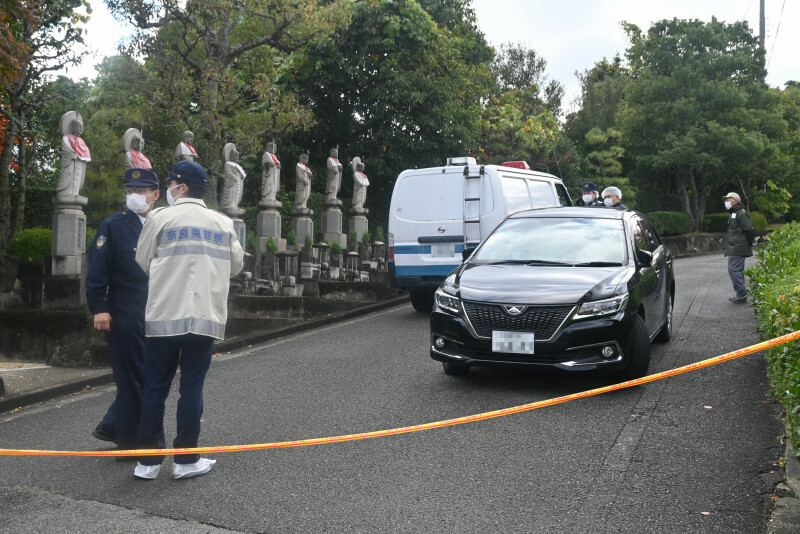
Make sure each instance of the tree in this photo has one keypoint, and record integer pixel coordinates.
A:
(518, 68)
(399, 87)
(603, 162)
(696, 119)
(214, 57)
(51, 33)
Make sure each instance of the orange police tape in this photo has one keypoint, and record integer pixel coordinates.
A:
(427, 426)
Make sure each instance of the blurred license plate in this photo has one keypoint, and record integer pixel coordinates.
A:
(514, 342)
(443, 250)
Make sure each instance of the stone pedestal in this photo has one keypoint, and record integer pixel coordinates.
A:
(303, 226)
(69, 241)
(263, 241)
(268, 224)
(332, 227)
(241, 231)
(359, 224)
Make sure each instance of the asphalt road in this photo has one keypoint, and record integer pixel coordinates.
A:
(692, 453)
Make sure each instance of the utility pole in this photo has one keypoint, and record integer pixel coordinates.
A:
(761, 26)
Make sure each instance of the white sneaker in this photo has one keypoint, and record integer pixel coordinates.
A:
(146, 472)
(200, 467)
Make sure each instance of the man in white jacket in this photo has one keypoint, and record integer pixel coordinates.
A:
(190, 252)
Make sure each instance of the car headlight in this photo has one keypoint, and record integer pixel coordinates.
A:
(448, 302)
(599, 308)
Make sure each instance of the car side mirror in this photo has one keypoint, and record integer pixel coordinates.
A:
(466, 253)
(644, 257)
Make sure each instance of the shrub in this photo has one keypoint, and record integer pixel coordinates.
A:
(291, 238)
(366, 237)
(251, 240)
(774, 283)
(31, 244)
(336, 248)
(759, 221)
(271, 245)
(379, 235)
(670, 222)
(716, 222)
(309, 241)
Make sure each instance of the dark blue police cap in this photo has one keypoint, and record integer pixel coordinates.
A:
(190, 172)
(588, 186)
(141, 178)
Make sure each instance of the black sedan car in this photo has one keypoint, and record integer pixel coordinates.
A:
(572, 288)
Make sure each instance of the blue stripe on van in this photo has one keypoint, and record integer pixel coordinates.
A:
(421, 249)
(421, 270)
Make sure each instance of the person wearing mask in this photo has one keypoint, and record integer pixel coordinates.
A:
(589, 196)
(612, 198)
(738, 243)
(116, 293)
(190, 253)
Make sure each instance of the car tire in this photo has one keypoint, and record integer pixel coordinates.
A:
(422, 299)
(637, 351)
(665, 333)
(455, 369)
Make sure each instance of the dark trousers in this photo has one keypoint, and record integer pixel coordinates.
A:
(735, 268)
(125, 349)
(161, 359)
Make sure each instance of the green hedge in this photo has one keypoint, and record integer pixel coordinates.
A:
(759, 221)
(31, 244)
(718, 222)
(670, 222)
(775, 285)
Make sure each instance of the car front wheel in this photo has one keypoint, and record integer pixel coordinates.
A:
(666, 331)
(637, 351)
(422, 299)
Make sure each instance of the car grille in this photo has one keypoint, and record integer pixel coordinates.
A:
(543, 321)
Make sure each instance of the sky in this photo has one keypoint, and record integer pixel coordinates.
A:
(571, 35)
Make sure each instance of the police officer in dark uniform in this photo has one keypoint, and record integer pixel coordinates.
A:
(589, 196)
(116, 292)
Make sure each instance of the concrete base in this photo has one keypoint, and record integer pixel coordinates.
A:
(332, 221)
(359, 224)
(303, 226)
(332, 238)
(268, 224)
(262, 244)
(241, 231)
(69, 241)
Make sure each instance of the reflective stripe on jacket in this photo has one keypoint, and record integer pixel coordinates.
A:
(190, 253)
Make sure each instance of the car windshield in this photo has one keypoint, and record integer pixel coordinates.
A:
(567, 241)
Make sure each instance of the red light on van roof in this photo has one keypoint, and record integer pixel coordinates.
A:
(516, 164)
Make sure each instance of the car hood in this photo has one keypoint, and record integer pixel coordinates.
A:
(532, 284)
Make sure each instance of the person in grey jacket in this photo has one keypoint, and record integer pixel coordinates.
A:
(190, 253)
(738, 243)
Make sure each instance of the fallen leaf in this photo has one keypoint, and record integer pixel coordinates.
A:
(705, 513)
(708, 407)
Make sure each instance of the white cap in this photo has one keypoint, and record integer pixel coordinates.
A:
(734, 196)
(614, 191)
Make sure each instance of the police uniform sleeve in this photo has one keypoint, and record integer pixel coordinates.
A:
(98, 276)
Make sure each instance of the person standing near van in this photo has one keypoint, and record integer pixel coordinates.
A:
(738, 243)
(190, 253)
(589, 196)
(612, 198)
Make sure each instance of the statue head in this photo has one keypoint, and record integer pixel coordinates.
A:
(360, 167)
(334, 152)
(188, 137)
(132, 140)
(304, 158)
(229, 152)
(271, 147)
(71, 123)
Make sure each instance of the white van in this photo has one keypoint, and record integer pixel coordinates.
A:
(437, 213)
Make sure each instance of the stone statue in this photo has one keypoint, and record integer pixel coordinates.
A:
(270, 177)
(360, 183)
(303, 186)
(234, 181)
(334, 179)
(74, 158)
(133, 144)
(185, 150)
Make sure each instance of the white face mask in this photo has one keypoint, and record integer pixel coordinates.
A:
(588, 198)
(170, 198)
(608, 202)
(728, 204)
(137, 203)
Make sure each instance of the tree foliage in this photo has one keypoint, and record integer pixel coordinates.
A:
(697, 117)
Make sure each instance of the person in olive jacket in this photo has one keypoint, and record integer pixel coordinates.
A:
(738, 243)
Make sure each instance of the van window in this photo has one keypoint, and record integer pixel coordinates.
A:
(542, 194)
(427, 197)
(563, 196)
(515, 191)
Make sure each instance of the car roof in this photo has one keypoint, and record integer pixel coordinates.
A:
(580, 212)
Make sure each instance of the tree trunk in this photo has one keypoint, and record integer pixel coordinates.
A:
(5, 187)
(212, 131)
(19, 212)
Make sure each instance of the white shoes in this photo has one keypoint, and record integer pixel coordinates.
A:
(146, 472)
(200, 467)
